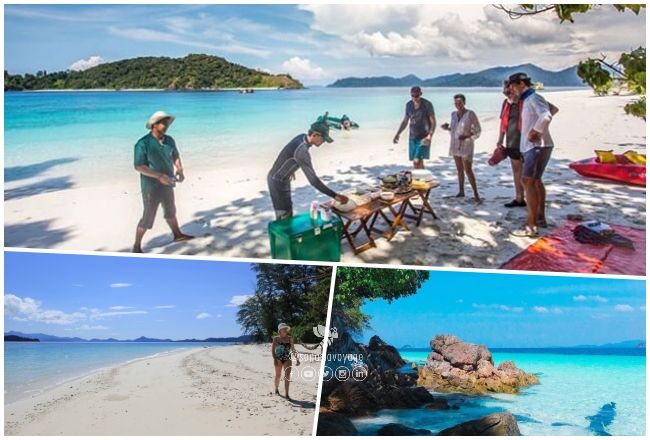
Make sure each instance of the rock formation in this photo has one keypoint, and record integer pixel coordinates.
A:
(332, 423)
(456, 366)
(502, 423)
(399, 429)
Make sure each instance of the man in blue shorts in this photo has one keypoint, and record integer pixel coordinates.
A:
(421, 120)
(536, 147)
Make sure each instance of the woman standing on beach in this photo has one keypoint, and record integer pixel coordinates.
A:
(281, 350)
(464, 130)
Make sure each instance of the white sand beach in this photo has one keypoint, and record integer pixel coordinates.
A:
(202, 391)
(228, 209)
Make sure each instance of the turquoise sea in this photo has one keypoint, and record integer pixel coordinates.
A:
(91, 134)
(574, 384)
(31, 368)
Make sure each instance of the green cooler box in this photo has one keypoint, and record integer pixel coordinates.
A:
(300, 238)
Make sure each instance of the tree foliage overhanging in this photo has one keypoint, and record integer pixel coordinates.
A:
(294, 294)
(354, 286)
(193, 72)
(601, 75)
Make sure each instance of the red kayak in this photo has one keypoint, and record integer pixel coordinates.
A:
(623, 170)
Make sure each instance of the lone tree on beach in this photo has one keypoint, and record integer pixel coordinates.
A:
(295, 294)
(355, 285)
(601, 74)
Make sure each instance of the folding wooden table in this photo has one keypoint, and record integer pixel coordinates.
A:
(393, 212)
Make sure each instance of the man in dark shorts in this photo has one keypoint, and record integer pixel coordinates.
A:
(510, 130)
(156, 156)
(421, 120)
(293, 156)
(536, 148)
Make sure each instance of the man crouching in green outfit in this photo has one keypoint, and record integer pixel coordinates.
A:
(156, 156)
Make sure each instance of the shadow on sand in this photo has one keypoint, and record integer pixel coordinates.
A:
(44, 186)
(28, 171)
(38, 234)
(466, 235)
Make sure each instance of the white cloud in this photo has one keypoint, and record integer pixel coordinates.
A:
(203, 315)
(479, 34)
(86, 64)
(28, 309)
(99, 315)
(502, 307)
(120, 307)
(511, 309)
(182, 38)
(219, 316)
(92, 327)
(625, 308)
(392, 44)
(595, 298)
(238, 300)
(165, 307)
(541, 309)
(120, 285)
(302, 69)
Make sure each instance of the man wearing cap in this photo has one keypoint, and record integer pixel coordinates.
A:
(421, 119)
(156, 157)
(536, 148)
(293, 156)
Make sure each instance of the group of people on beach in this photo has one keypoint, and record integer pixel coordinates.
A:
(524, 137)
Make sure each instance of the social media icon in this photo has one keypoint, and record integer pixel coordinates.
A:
(342, 373)
(328, 374)
(359, 373)
(308, 373)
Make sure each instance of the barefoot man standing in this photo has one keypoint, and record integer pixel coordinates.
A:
(421, 120)
(536, 148)
(159, 164)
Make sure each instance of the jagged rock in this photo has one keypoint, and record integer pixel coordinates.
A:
(366, 397)
(502, 423)
(457, 366)
(332, 423)
(438, 403)
(399, 429)
(382, 356)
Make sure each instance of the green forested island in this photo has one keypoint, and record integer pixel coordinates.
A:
(193, 72)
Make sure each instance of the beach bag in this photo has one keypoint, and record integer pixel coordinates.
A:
(498, 155)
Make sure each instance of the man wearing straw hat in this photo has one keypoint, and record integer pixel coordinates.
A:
(159, 164)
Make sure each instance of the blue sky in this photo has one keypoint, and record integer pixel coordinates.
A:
(122, 297)
(315, 43)
(503, 310)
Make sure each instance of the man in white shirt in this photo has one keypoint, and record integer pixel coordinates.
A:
(536, 148)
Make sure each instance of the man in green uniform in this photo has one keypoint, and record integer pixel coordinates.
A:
(156, 157)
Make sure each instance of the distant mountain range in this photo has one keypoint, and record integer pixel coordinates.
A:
(50, 338)
(492, 77)
(634, 343)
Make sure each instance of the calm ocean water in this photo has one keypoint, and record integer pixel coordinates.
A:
(31, 367)
(86, 134)
(572, 387)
